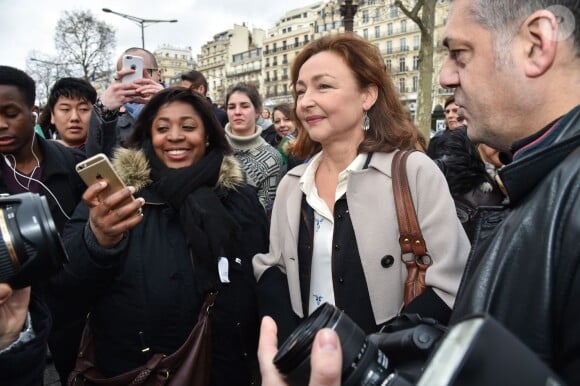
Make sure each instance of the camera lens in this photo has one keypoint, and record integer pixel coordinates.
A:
(30, 246)
(362, 362)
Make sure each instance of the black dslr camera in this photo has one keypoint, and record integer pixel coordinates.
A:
(477, 351)
(30, 246)
(364, 363)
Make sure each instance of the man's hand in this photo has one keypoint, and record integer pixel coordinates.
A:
(119, 93)
(139, 91)
(325, 362)
(146, 89)
(13, 311)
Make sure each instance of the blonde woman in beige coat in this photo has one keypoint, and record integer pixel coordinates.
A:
(334, 232)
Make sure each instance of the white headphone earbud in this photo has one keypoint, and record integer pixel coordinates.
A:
(35, 117)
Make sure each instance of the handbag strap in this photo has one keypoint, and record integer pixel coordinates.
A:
(204, 313)
(411, 239)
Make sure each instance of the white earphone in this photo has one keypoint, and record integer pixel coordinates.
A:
(30, 179)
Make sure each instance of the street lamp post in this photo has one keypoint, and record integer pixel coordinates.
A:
(141, 22)
(347, 11)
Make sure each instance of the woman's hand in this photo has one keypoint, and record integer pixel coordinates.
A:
(13, 311)
(112, 216)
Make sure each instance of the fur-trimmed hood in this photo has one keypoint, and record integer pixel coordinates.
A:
(133, 168)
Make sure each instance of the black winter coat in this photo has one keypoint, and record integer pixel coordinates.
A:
(524, 268)
(143, 293)
(66, 189)
(60, 177)
(105, 136)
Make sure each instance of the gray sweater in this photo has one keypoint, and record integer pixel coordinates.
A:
(263, 164)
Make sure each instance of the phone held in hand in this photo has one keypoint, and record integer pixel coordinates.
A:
(97, 168)
(134, 63)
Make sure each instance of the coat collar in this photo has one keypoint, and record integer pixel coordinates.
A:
(522, 175)
(379, 161)
(57, 165)
(133, 168)
(54, 162)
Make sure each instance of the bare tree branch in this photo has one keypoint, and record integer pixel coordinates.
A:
(45, 70)
(426, 23)
(84, 42)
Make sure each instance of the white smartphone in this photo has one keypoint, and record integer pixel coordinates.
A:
(134, 63)
(97, 168)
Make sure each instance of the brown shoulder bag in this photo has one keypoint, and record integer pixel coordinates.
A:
(189, 365)
(410, 239)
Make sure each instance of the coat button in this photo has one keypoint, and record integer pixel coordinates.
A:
(387, 261)
(341, 280)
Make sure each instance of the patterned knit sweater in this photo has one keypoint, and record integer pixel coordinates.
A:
(262, 163)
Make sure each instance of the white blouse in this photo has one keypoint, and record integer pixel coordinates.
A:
(321, 284)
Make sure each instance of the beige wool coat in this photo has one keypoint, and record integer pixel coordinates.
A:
(372, 210)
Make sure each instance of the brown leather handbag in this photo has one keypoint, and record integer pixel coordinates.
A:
(410, 239)
(189, 365)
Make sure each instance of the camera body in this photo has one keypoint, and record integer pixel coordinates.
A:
(362, 363)
(30, 247)
(477, 351)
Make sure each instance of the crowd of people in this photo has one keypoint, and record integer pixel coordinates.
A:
(271, 213)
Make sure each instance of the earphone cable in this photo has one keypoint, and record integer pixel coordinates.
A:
(30, 178)
(41, 184)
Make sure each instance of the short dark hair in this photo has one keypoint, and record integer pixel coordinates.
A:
(285, 109)
(449, 100)
(213, 129)
(74, 88)
(248, 89)
(503, 18)
(196, 78)
(11, 76)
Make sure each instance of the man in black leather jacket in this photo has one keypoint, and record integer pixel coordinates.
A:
(515, 67)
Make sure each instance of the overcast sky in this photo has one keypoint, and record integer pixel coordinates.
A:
(27, 25)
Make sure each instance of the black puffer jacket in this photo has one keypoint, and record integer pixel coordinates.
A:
(524, 268)
(143, 291)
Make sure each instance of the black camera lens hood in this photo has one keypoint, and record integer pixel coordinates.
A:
(359, 356)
